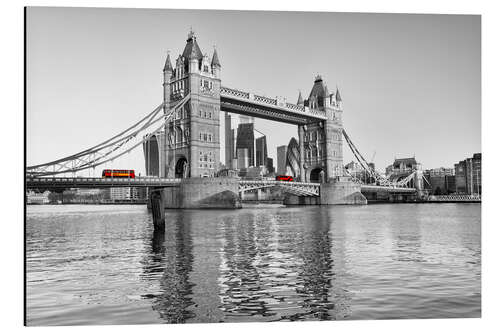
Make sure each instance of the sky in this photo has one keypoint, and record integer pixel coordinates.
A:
(410, 84)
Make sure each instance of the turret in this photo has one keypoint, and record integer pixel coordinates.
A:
(338, 99)
(326, 97)
(167, 74)
(215, 64)
(300, 100)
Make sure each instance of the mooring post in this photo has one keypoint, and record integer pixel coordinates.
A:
(158, 209)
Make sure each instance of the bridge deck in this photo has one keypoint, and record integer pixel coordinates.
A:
(245, 185)
(390, 189)
(81, 182)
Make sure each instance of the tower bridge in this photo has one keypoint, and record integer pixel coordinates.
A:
(181, 143)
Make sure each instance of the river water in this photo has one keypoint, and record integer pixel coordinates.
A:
(105, 265)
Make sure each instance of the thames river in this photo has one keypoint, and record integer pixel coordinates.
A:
(105, 265)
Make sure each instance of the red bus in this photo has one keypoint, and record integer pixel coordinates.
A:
(284, 178)
(108, 173)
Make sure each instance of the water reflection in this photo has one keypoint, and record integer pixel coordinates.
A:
(243, 287)
(172, 250)
(279, 268)
(107, 265)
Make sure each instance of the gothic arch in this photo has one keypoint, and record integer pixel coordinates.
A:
(317, 175)
(181, 167)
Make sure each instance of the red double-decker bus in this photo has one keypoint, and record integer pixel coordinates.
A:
(109, 173)
(284, 178)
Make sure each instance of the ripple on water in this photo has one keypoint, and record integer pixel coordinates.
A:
(105, 265)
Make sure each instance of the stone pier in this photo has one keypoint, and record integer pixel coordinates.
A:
(341, 191)
(203, 193)
(338, 191)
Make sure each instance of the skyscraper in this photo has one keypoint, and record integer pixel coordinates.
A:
(246, 119)
(245, 139)
(281, 163)
(261, 151)
(228, 135)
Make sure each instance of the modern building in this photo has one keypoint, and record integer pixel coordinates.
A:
(440, 181)
(269, 165)
(468, 175)
(243, 159)
(229, 141)
(281, 162)
(246, 119)
(293, 158)
(261, 151)
(245, 139)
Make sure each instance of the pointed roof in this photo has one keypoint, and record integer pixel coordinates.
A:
(300, 100)
(192, 50)
(168, 64)
(337, 96)
(215, 59)
(319, 89)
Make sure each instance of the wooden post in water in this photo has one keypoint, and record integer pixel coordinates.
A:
(158, 209)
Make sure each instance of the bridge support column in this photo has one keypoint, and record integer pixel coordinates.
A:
(341, 191)
(158, 209)
(260, 194)
(301, 154)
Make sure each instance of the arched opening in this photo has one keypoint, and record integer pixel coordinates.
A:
(181, 168)
(152, 157)
(317, 176)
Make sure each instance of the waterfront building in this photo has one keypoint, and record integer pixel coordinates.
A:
(281, 162)
(354, 168)
(127, 193)
(468, 175)
(245, 139)
(440, 181)
(37, 198)
(405, 165)
(88, 191)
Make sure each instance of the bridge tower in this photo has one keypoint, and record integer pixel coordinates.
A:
(191, 146)
(321, 143)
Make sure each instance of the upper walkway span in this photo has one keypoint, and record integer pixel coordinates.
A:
(277, 109)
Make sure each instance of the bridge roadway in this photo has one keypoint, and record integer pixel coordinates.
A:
(306, 189)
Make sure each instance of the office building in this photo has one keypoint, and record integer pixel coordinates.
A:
(245, 139)
(281, 160)
(261, 151)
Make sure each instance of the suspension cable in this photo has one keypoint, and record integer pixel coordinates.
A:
(76, 159)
